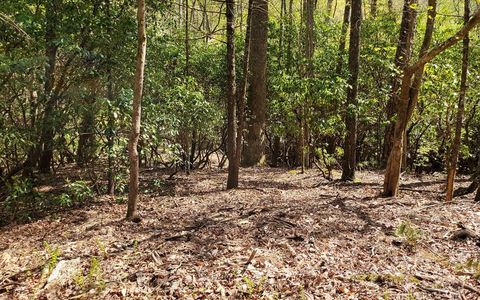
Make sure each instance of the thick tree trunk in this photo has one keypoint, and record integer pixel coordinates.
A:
(234, 159)
(133, 193)
(402, 57)
(392, 173)
(232, 180)
(394, 163)
(257, 92)
(48, 123)
(349, 159)
(455, 149)
(308, 49)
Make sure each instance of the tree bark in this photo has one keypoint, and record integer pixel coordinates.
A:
(133, 193)
(110, 136)
(349, 159)
(343, 36)
(110, 132)
(402, 57)
(308, 49)
(453, 158)
(234, 160)
(48, 123)
(232, 180)
(332, 139)
(257, 92)
(418, 77)
(392, 173)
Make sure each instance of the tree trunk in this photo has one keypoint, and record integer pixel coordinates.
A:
(452, 163)
(110, 137)
(48, 126)
(136, 113)
(349, 159)
(308, 49)
(402, 57)
(373, 8)
(242, 93)
(343, 36)
(31, 160)
(110, 133)
(290, 35)
(257, 92)
(86, 140)
(232, 180)
(332, 140)
(392, 173)
(418, 77)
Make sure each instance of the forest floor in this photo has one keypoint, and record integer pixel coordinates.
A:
(282, 235)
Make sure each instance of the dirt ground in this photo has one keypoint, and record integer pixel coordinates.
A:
(282, 235)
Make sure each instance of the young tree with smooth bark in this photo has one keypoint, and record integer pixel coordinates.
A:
(394, 163)
(455, 149)
(133, 192)
(402, 57)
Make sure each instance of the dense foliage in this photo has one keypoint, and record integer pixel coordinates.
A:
(184, 122)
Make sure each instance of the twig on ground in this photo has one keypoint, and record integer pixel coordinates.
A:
(245, 266)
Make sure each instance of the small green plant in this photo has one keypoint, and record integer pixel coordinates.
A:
(121, 183)
(79, 191)
(79, 280)
(64, 200)
(386, 295)
(135, 246)
(120, 199)
(471, 265)
(93, 278)
(410, 296)
(252, 287)
(101, 248)
(409, 232)
(22, 201)
(53, 254)
(159, 184)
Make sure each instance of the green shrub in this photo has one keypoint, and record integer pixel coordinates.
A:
(408, 232)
